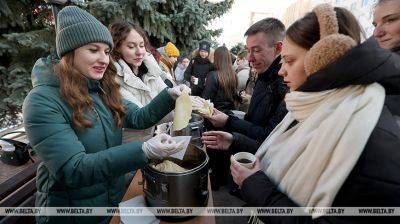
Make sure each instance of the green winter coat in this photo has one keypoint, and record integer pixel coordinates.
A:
(82, 168)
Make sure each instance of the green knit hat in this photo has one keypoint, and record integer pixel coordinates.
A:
(76, 27)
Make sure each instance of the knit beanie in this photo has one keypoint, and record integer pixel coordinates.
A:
(204, 45)
(76, 27)
(171, 50)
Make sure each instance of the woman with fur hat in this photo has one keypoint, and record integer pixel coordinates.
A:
(338, 146)
(74, 116)
(198, 69)
(138, 72)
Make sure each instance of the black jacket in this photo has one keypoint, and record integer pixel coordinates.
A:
(199, 68)
(216, 94)
(375, 179)
(266, 110)
(396, 50)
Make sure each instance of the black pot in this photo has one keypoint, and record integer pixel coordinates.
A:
(19, 156)
(187, 189)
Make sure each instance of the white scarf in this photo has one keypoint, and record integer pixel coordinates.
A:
(311, 161)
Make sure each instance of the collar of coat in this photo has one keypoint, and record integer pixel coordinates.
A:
(396, 50)
(130, 78)
(201, 61)
(272, 71)
(94, 85)
(364, 64)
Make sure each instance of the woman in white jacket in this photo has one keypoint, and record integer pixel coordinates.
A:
(138, 72)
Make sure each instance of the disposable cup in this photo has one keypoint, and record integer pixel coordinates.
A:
(245, 159)
(195, 81)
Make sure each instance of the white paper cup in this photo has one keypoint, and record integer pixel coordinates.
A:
(245, 159)
(195, 81)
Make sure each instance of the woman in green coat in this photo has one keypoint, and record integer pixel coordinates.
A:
(74, 116)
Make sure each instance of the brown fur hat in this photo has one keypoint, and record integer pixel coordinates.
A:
(331, 45)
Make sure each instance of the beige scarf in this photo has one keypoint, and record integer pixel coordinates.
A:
(311, 161)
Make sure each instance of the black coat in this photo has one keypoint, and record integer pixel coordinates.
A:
(199, 68)
(375, 179)
(266, 110)
(216, 94)
(396, 50)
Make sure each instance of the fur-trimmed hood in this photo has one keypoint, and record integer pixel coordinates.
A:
(366, 63)
(43, 72)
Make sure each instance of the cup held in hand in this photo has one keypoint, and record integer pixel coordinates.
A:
(196, 81)
(245, 159)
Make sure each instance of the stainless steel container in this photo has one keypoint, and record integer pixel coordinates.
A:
(187, 189)
(195, 129)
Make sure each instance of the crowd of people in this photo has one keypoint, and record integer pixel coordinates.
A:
(321, 105)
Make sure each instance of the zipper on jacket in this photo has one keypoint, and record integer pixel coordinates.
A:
(95, 111)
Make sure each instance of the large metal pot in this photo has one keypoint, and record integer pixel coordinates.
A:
(195, 129)
(187, 189)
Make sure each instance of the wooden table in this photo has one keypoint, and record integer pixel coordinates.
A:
(135, 189)
(9, 171)
(18, 184)
(13, 178)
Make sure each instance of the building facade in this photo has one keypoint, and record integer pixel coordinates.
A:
(362, 10)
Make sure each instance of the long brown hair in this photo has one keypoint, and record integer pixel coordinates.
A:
(226, 76)
(305, 31)
(73, 87)
(120, 30)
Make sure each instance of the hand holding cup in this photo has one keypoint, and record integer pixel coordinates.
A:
(245, 159)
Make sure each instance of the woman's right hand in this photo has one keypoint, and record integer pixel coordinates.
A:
(176, 91)
(218, 119)
(217, 140)
(160, 146)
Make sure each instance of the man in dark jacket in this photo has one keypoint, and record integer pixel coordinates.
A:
(267, 108)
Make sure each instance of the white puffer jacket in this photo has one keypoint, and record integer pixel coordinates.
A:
(141, 92)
